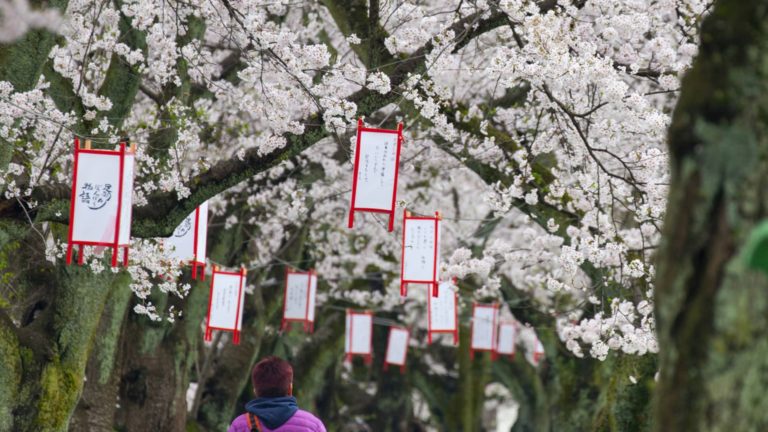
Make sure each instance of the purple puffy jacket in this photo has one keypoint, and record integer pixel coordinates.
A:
(301, 421)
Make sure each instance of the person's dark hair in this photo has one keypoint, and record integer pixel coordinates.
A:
(272, 377)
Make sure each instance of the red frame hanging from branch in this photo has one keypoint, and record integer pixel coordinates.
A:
(198, 231)
(368, 195)
(505, 327)
(388, 360)
(446, 293)
(310, 288)
(217, 322)
(494, 326)
(349, 351)
(413, 248)
(91, 168)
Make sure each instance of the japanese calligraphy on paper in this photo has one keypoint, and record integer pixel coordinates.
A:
(419, 250)
(181, 245)
(226, 308)
(376, 170)
(96, 189)
(300, 304)
(442, 309)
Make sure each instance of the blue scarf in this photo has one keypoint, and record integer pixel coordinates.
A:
(274, 411)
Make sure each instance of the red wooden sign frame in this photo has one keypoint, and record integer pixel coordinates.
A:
(367, 356)
(308, 325)
(115, 245)
(391, 211)
(455, 331)
(196, 263)
(434, 282)
(498, 335)
(492, 350)
(235, 332)
(405, 355)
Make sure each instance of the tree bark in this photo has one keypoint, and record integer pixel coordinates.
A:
(45, 346)
(711, 308)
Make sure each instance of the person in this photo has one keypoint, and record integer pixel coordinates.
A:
(274, 408)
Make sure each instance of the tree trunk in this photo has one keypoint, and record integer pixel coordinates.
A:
(96, 409)
(711, 308)
(156, 363)
(45, 347)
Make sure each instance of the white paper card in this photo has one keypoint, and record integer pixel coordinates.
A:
(126, 214)
(225, 294)
(181, 245)
(96, 195)
(507, 335)
(482, 327)
(397, 347)
(202, 232)
(376, 170)
(419, 250)
(358, 335)
(312, 295)
(296, 298)
(442, 309)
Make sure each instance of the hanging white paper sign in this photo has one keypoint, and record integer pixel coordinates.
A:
(225, 304)
(188, 242)
(538, 352)
(374, 180)
(507, 338)
(100, 206)
(483, 328)
(421, 249)
(442, 312)
(359, 335)
(299, 298)
(397, 347)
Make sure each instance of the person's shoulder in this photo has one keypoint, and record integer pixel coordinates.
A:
(308, 420)
(239, 424)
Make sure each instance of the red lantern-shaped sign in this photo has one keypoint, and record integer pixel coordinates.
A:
(358, 339)
(299, 299)
(443, 312)
(397, 347)
(484, 324)
(225, 304)
(421, 247)
(374, 180)
(505, 344)
(188, 242)
(101, 202)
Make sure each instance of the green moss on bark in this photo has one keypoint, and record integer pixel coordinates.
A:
(60, 389)
(10, 375)
(107, 342)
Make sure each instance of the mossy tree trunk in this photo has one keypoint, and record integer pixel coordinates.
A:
(96, 409)
(711, 308)
(45, 344)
